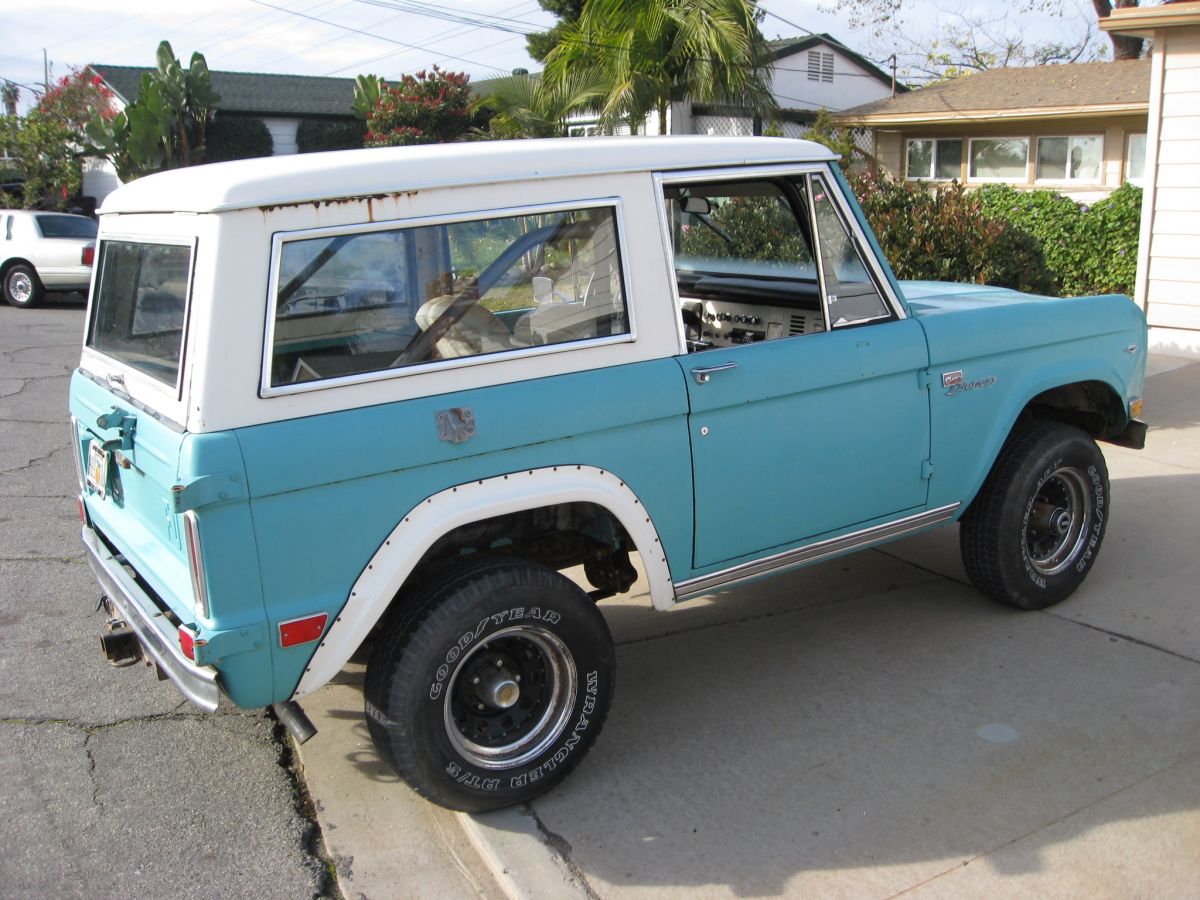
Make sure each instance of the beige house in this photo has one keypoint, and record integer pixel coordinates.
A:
(1077, 129)
(1168, 276)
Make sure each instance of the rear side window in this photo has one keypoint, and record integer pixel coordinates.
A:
(66, 227)
(371, 301)
(140, 305)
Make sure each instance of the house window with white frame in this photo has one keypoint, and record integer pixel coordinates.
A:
(933, 159)
(820, 66)
(1070, 158)
(999, 159)
(1135, 158)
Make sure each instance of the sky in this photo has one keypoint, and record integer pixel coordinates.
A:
(483, 38)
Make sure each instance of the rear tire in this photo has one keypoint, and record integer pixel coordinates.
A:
(22, 287)
(494, 690)
(1033, 532)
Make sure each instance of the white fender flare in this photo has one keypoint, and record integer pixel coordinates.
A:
(441, 513)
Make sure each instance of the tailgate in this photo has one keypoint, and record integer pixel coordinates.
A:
(133, 460)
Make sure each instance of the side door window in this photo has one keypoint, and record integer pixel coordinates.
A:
(851, 295)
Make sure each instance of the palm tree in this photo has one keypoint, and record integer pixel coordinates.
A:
(651, 52)
(527, 106)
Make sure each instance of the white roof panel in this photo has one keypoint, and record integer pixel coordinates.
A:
(281, 180)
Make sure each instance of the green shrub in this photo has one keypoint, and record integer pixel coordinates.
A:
(237, 137)
(1088, 250)
(315, 135)
(946, 235)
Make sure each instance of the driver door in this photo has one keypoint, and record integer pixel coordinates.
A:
(807, 417)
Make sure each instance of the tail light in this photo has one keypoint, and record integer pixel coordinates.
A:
(195, 554)
(88, 256)
(187, 642)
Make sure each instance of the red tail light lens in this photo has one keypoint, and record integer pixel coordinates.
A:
(187, 642)
(88, 257)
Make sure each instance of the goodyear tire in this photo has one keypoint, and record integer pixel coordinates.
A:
(1034, 531)
(489, 684)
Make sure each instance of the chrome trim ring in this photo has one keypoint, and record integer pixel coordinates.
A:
(1056, 522)
(490, 727)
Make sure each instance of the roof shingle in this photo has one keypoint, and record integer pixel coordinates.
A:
(1096, 85)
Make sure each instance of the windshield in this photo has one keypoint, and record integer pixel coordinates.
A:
(66, 227)
(138, 310)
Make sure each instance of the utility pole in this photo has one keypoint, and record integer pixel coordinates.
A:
(45, 72)
(893, 59)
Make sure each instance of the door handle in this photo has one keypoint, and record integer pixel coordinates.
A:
(703, 374)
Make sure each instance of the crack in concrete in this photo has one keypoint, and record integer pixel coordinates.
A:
(1183, 760)
(563, 848)
(91, 758)
(1116, 635)
(34, 462)
(65, 560)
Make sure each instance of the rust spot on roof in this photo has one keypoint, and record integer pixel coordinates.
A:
(339, 201)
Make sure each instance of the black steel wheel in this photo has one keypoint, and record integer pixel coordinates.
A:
(1033, 532)
(489, 684)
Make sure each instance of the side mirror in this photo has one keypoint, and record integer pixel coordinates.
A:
(697, 206)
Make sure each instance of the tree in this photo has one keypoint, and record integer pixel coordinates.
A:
(46, 146)
(431, 107)
(76, 98)
(878, 14)
(567, 11)
(164, 128)
(526, 106)
(651, 52)
(45, 151)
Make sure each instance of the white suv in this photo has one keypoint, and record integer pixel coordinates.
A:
(41, 251)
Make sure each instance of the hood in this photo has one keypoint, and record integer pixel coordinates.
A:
(933, 296)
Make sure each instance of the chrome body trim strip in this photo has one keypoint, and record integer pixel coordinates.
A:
(811, 553)
(156, 634)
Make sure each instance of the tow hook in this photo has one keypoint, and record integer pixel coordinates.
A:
(119, 643)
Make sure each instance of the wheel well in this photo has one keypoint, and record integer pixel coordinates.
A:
(1091, 405)
(14, 261)
(558, 536)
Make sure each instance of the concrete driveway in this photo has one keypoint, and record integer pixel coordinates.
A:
(864, 728)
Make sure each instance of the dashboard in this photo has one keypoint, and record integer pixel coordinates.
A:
(723, 323)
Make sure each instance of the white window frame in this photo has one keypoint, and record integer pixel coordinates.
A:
(267, 390)
(1067, 179)
(1140, 180)
(988, 179)
(933, 160)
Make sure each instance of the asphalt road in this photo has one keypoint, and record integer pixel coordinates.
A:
(110, 783)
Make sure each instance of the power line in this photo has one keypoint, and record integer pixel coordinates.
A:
(379, 37)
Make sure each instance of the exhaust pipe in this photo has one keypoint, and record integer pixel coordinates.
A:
(294, 719)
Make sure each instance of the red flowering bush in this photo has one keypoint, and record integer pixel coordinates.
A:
(427, 108)
(74, 99)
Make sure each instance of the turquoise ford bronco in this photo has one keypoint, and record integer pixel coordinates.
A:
(437, 402)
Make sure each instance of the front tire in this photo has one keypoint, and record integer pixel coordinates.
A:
(490, 684)
(22, 287)
(1033, 532)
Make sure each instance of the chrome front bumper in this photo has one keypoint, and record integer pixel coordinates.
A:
(158, 637)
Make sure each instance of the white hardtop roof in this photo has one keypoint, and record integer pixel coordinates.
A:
(302, 178)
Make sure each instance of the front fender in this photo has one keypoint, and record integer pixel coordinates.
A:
(436, 516)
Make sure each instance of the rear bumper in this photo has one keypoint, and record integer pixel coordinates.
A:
(158, 637)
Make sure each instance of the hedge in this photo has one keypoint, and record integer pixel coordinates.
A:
(1037, 241)
(237, 137)
(946, 235)
(315, 135)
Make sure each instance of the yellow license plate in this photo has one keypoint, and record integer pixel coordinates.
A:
(97, 468)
